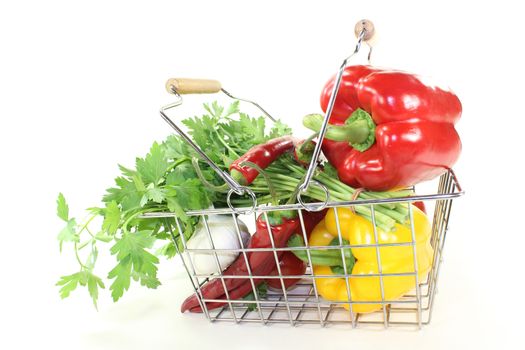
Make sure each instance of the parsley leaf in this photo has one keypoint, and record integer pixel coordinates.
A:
(111, 218)
(190, 192)
(93, 283)
(155, 194)
(122, 275)
(153, 166)
(69, 283)
(84, 278)
(126, 194)
(62, 208)
(232, 109)
(133, 257)
(176, 148)
(126, 171)
(279, 129)
(215, 110)
(145, 280)
(68, 233)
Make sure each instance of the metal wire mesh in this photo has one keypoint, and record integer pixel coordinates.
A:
(302, 304)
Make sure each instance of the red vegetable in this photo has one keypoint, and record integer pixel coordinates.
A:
(234, 294)
(261, 263)
(302, 152)
(421, 205)
(289, 263)
(389, 129)
(290, 266)
(261, 155)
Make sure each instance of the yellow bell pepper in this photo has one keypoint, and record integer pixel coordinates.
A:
(394, 259)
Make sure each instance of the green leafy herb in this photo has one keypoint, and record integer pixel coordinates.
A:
(153, 167)
(62, 208)
(163, 180)
(133, 257)
(84, 278)
(111, 218)
(68, 233)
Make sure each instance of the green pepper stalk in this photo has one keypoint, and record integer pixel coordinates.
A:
(285, 176)
(325, 257)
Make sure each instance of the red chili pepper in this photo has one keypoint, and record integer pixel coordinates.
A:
(261, 155)
(389, 129)
(261, 263)
(282, 226)
(234, 294)
(303, 152)
(291, 265)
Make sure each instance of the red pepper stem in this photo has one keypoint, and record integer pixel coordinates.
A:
(238, 177)
(307, 143)
(354, 132)
(324, 257)
(358, 130)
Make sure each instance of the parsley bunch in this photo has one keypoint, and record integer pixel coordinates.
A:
(164, 180)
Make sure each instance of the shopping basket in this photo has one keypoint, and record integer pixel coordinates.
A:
(303, 304)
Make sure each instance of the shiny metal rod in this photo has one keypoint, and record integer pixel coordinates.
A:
(317, 151)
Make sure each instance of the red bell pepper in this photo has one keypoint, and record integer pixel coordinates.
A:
(388, 129)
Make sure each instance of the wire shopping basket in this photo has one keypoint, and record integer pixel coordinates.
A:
(304, 304)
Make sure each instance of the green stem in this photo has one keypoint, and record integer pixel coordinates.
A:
(226, 145)
(231, 138)
(139, 212)
(402, 209)
(78, 257)
(335, 185)
(386, 214)
(177, 163)
(266, 177)
(355, 132)
(325, 257)
(82, 245)
(86, 225)
(358, 130)
(260, 200)
(382, 217)
(222, 188)
(307, 141)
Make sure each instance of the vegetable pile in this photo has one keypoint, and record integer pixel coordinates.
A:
(388, 132)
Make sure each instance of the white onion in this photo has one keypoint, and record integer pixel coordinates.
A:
(224, 236)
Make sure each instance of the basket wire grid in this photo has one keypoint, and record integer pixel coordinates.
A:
(303, 304)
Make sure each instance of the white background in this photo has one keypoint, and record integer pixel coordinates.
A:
(80, 87)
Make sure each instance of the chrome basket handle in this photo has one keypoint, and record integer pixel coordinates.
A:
(180, 86)
(364, 31)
